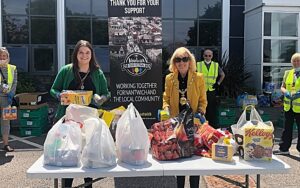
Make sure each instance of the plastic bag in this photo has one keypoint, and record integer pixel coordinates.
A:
(100, 150)
(62, 146)
(132, 137)
(254, 137)
(79, 113)
(174, 138)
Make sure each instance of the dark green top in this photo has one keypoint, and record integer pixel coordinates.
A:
(64, 78)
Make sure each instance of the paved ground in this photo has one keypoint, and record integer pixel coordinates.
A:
(13, 168)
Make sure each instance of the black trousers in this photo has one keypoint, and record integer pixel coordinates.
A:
(211, 108)
(68, 182)
(287, 134)
(194, 181)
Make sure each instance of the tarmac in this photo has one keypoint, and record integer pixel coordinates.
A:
(13, 167)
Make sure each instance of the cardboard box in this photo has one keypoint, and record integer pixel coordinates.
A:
(32, 107)
(258, 143)
(29, 99)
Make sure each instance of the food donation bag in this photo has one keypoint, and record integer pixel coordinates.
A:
(132, 137)
(100, 150)
(62, 146)
(254, 137)
(173, 138)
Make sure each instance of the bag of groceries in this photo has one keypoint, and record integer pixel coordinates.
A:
(132, 137)
(62, 146)
(173, 138)
(254, 137)
(100, 150)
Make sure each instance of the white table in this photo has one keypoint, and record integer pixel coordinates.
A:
(189, 166)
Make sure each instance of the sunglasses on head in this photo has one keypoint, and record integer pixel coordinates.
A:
(207, 55)
(184, 59)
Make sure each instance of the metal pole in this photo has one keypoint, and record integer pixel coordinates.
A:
(247, 181)
(258, 180)
(55, 183)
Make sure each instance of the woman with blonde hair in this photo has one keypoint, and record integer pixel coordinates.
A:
(8, 85)
(184, 85)
(291, 89)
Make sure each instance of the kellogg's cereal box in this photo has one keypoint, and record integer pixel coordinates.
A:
(258, 143)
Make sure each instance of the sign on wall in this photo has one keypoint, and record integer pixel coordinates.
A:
(135, 47)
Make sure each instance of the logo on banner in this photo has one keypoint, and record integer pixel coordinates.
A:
(136, 64)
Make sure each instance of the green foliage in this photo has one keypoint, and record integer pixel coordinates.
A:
(235, 76)
(25, 84)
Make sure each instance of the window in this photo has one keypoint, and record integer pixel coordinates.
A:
(211, 9)
(43, 7)
(15, 29)
(210, 33)
(279, 51)
(77, 29)
(99, 8)
(167, 9)
(78, 7)
(185, 9)
(281, 24)
(186, 33)
(43, 30)
(19, 57)
(100, 31)
(274, 74)
(15, 6)
(279, 44)
(43, 59)
(29, 30)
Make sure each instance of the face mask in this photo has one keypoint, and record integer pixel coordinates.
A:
(2, 62)
(207, 62)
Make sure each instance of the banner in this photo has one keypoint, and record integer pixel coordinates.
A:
(135, 47)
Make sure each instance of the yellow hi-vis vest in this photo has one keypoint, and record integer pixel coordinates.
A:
(292, 86)
(10, 75)
(210, 76)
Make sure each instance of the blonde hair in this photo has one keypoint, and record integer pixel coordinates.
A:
(4, 50)
(180, 51)
(295, 56)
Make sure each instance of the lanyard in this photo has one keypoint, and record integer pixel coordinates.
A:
(4, 79)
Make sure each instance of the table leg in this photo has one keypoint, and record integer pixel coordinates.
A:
(247, 181)
(55, 183)
(258, 180)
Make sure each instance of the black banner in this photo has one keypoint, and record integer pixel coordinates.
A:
(135, 47)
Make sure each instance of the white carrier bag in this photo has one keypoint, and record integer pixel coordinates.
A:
(100, 149)
(132, 137)
(62, 146)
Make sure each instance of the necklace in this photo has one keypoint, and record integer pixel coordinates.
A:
(182, 99)
(82, 79)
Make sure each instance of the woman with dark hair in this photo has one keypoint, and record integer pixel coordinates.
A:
(83, 73)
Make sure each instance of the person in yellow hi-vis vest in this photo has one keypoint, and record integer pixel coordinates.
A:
(291, 89)
(8, 85)
(211, 72)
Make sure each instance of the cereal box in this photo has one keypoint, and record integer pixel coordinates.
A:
(258, 142)
(76, 97)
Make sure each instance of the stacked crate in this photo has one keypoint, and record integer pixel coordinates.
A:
(226, 116)
(33, 122)
(32, 114)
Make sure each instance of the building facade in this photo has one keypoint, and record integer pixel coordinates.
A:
(41, 34)
(271, 38)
